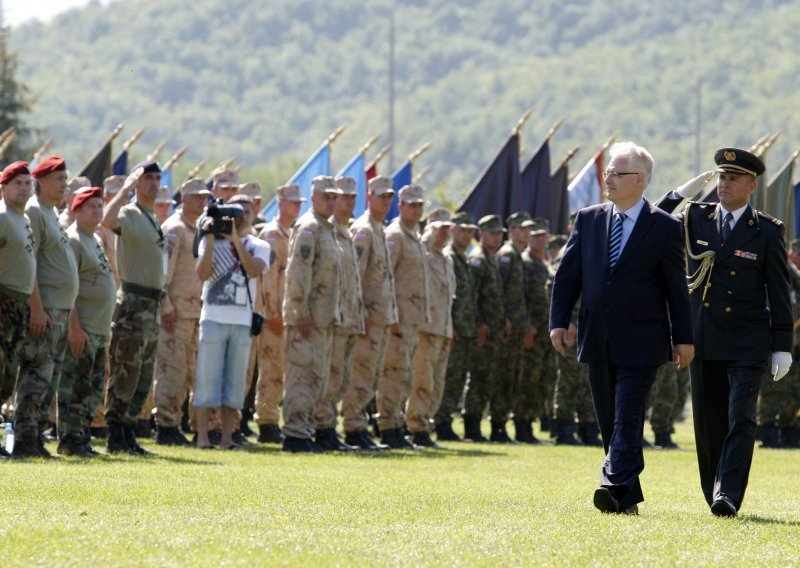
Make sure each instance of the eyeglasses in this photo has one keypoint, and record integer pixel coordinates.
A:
(617, 175)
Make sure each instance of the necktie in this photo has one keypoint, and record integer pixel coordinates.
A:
(615, 240)
(726, 227)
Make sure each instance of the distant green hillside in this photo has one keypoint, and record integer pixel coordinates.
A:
(268, 80)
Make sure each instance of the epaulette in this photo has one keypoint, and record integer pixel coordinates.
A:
(770, 218)
(702, 204)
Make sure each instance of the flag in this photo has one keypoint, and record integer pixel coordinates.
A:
(560, 200)
(371, 170)
(537, 198)
(796, 232)
(99, 167)
(498, 190)
(401, 177)
(120, 167)
(779, 196)
(319, 164)
(355, 168)
(587, 187)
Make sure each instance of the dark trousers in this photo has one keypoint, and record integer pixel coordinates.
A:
(620, 395)
(724, 398)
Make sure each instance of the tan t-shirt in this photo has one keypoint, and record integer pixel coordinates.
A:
(17, 257)
(96, 294)
(141, 248)
(56, 270)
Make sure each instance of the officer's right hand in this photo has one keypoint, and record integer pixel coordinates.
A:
(39, 322)
(132, 180)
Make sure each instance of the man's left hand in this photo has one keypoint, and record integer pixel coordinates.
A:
(684, 353)
(781, 363)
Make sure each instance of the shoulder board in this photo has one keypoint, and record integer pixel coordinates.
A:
(770, 218)
(701, 204)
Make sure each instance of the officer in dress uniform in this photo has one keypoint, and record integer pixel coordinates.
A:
(739, 288)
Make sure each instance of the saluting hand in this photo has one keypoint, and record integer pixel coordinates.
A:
(131, 181)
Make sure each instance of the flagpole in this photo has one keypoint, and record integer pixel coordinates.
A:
(7, 142)
(419, 151)
(45, 147)
(368, 144)
(133, 139)
(554, 129)
(391, 85)
(111, 139)
(157, 152)
(379, 156)
(197, 169)
(335, 134)
(174, 159)
(6, 133)
(422, 174)
(570, 155)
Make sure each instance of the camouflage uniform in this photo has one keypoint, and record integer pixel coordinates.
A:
(313, 278)
(430, 361)
(378, 291)
(344, 335)
(176, 351)
(410, 269)
(269, 387)
(662, 401)
(465, 326)
(41, 357)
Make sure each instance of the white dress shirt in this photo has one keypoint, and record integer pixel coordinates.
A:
(630, 220)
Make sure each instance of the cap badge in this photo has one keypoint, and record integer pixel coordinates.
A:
(730, 156)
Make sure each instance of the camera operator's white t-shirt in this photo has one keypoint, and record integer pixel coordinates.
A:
(224, 294)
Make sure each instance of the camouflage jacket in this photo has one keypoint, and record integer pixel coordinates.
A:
(537, 273)
(377, 280)
(410, 269)
(512, 274)
(465, 306)
(350, 299)
(488, 291)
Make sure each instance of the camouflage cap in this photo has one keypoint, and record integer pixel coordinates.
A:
(112, 184)
(289, 192)
(324, 183)
(226, 178)
(439, 217)
(346, 184)
(164, 195)
(76, 183)
(491, 223)
(540, 226)
(240, 198)
(412, 194)
(465, 220)
(519, 219)
(252, 189)
(194, 186)
(380, 185)
(557, 241)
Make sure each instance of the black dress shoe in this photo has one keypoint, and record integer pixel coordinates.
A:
(632, 510)
(605, 501)
(723, 507)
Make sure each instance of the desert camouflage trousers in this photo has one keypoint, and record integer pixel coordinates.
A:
(344, 351)
(458, 365)
(176, 363)
(308, 366)
(269, 387)
(370, 354)
(81, 387)
(427, 386)
(394, 384)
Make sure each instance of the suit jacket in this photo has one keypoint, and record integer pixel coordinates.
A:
(747, 310)
(632, 315)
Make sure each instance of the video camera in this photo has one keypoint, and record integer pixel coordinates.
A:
(223, 216)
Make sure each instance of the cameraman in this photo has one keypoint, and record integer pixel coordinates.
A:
(228, 267)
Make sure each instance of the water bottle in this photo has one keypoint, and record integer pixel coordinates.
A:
(8, 437)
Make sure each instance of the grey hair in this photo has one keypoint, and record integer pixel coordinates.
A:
(637, 154)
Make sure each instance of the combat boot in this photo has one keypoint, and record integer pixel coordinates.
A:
(244, 428)
(444, 433)
(329, 441)
(472, 429)
(393, 437)
(589, 434)
(424, 439)
(300, 445)
(142, 429)
(790, 437)
(171, 436)
(26, 447)
(361, 439)
(499, 434)
(100, 432)
(664, 441)
(40, 444)
(73, 447)
(269, 434)
(116, 442)
(770, 436)
(134, 448)
(565, 432)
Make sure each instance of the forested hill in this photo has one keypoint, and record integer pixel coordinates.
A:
(268, 80)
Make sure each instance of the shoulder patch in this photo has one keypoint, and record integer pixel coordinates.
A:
(172, 236)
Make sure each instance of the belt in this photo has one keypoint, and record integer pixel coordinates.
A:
(143, 291)
(13, 294)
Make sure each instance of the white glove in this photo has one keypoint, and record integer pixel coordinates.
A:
(781, 362)
(694, 185)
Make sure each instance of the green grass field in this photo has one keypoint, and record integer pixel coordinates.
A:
(473, 504)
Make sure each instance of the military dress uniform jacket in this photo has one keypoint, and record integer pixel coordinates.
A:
(313, 275)
(465, 307)
(410, 269)
(488, 292)
(736, 320)
(377, 279)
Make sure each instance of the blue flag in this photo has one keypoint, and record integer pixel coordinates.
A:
(401, 177)
(120, 167)
(498, 190)
(355, 168)
(317, 165)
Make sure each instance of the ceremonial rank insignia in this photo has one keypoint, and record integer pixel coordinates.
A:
(745, 254)
(699, 242)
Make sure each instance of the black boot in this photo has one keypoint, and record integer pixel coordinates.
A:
(444, 433)
(72, 446)
(329, 441)
(424, 439)
(589, 434)
(664, 441)
(116, 443)
(790, 437)
(770, 436)
(300, 446)
(26, 447)
(393, 437)
(565, 432)
(361, 439)
(244, 427)
(171, 436)
(134, 449)
(499, 434)
(544, 422)
(269, 434)
(472, 429)
(142, 429)
(99, 432)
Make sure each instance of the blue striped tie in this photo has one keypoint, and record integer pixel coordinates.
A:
(615, 241)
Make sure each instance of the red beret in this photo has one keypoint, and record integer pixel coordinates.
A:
(85, 195)
(14, 170)
(48, 166)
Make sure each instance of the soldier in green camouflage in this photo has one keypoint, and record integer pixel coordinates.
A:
(664, 398)
(507, 381)
(493, 327)
(465, 326)
(529, 402)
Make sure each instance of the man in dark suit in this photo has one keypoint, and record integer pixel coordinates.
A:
(624, 260)
(739, 282)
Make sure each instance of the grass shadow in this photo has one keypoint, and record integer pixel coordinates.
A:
(759, 520)
(106, 459)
